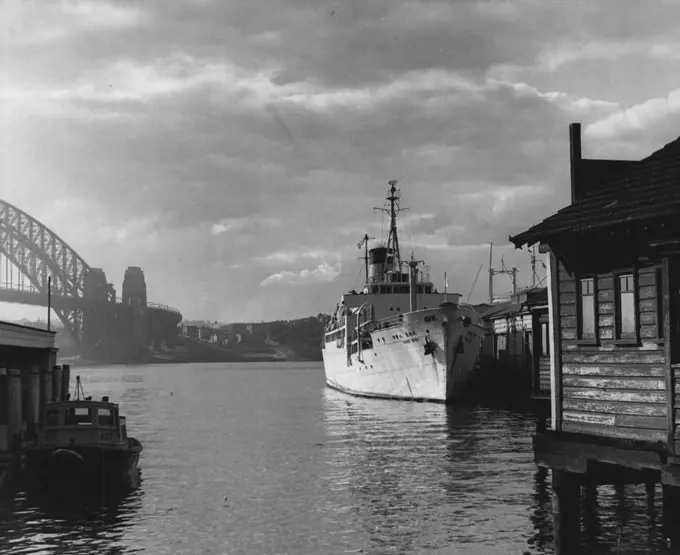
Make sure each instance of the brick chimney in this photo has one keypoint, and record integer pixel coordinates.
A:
(590, 176)
(575, 160)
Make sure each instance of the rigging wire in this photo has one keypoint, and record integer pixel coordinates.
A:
(359, 268)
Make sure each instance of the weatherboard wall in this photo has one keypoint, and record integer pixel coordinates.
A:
(608, 386)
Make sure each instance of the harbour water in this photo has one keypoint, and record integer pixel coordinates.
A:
(263, 459)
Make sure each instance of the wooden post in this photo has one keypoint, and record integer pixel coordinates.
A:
(534, 358)
(33, 412)
(555, 350)
(4, 398)
(65, 380)
(56, 383)
(590, 523)
(671, 516)
(666, 312)
(14, 419)
(46, 385)
(650, 490)
(566, 512)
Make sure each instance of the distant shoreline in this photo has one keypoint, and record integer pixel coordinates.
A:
(156, 360)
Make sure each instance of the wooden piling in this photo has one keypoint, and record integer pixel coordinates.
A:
(650, 490)
(4, 398)
(33, 399)
(566, 512)
(590, 517)
(65, 380)
(14, 417)
(48, 363)
(56, 382)
(46, 385)
(671, 516)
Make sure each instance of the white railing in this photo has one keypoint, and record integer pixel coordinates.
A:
(391, 321)
(27, 287)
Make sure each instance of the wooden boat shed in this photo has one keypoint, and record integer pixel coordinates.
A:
(29, 378)
(614, 310)
(516, 344)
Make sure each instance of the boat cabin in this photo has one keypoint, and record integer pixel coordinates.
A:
(84, 422)
(614, 316)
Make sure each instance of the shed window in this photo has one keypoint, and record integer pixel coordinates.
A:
(627, 321)
(105, 417)
(587, 305)
(501, 344)
(545, 339)
(78, 417)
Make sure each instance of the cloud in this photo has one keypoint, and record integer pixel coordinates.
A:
(636, 118)
(103, 14)
(322, 273)
(233, 144)
(40, 24)
(563, 100)
(552, 58)
(245, 224)
(289, 256)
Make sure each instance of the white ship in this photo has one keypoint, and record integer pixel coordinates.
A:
(399, 338)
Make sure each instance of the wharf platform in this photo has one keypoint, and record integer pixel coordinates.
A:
(29, 378)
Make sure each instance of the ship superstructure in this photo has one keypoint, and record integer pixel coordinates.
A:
(399, 337)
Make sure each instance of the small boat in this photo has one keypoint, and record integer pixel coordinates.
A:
(83, 439)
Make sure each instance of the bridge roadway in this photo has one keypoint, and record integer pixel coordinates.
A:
(110, 328)
(31, 296)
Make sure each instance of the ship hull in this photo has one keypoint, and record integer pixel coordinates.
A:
(83, 463)
(426, 355)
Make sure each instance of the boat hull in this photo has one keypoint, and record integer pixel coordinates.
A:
(426, 355)
(83, 463)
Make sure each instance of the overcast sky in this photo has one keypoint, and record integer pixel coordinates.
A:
(235, 149)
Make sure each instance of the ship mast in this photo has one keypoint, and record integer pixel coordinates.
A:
(393, 197)
(364, 241)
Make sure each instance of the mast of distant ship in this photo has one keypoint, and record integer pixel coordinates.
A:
(393, 210)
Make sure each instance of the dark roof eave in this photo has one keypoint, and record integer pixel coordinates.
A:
(527, 238)
(536, 234)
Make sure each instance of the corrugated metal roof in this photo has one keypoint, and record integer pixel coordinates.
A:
(501, 309)
(651, 189)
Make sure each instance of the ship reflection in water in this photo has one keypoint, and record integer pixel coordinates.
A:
(263, 459)
(461, 480)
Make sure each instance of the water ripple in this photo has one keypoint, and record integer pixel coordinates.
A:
(244, 459)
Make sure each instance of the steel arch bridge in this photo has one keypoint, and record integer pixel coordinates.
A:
(39, 253)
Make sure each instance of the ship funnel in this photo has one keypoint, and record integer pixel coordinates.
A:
(377, 258)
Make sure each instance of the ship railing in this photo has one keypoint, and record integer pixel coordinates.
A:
(390, 321)
(334, 330)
